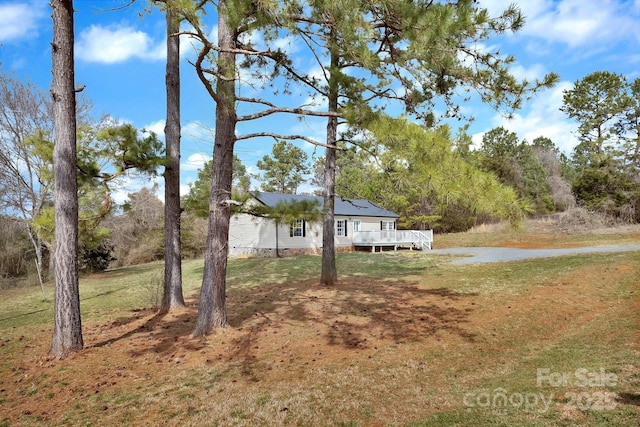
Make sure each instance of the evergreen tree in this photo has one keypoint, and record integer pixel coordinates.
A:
(172, 293)
(517, 165)
(197, 200)
(597, 102)
(67, 326)
(418, 175)
(606, 108)
(429, 47)
(284, 170)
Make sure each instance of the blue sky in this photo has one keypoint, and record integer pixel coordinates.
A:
(120, 58)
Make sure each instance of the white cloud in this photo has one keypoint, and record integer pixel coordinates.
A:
(536, 71)
(318, 73)
(19, 20)
(115, 44)
(581, 23)
(287, 44)
(198, 132)
(131, 183)
(252, 170)
(542, 117)
(120, 196)
(576, 23)
(195, 161)
(192, 131)
(156, 127)
(189, 46)
(315, 102)
(476, 139)
(567, 24)
(254, 38)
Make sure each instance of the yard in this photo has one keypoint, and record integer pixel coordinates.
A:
(406, 339)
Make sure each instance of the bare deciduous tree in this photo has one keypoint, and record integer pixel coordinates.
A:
(25, 184)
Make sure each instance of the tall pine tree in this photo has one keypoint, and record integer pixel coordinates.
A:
(67, 325)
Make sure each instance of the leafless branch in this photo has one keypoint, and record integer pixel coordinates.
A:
(215, 47)
(285, 137)
(201, 74)
(273, 109)
(117, 8)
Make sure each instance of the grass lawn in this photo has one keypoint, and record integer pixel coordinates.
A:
(406, 339)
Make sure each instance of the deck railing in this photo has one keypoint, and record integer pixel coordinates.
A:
(419, 238)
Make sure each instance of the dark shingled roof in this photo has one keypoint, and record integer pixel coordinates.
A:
(343, 207)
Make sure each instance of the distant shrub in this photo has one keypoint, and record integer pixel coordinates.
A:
(96, 259)
(150, 249)
(16, 253)
(194, 235)
(582, 219)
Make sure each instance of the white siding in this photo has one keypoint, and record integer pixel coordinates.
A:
(369, 223)
(248, 234)
(311, 239)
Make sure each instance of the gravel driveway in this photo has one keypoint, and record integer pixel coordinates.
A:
(482, 255)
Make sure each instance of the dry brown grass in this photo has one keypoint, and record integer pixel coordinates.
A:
(575, 227)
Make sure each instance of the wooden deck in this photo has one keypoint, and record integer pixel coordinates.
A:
(414, 239)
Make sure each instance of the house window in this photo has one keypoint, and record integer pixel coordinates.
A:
(297, 228)
(341, 228)
(387, 225)
(357, 225)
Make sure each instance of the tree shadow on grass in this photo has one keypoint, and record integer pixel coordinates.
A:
(126, 272)
(124, 322)
(159, 334)
(351, 316)
(401, 311)
(629, 399)
(49, 307)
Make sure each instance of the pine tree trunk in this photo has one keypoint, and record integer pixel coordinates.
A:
(67, 326)
(172, 295)
(329, 274)
(212, 309)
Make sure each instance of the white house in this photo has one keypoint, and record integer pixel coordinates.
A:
(358, 223)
